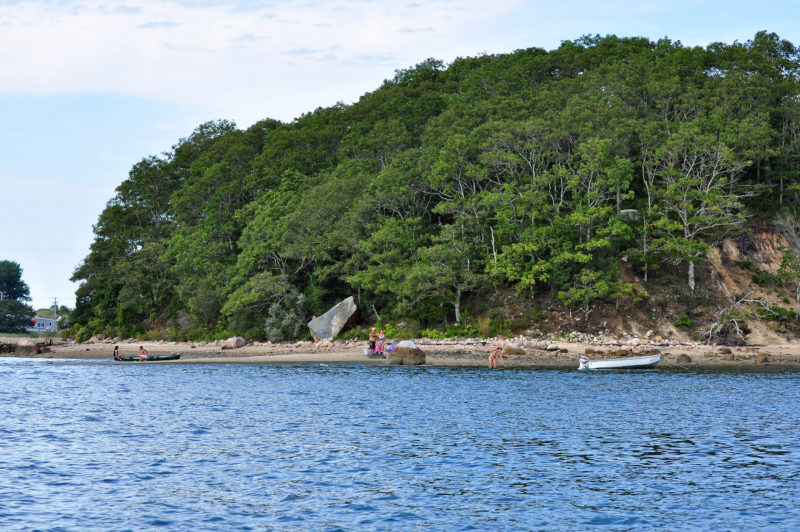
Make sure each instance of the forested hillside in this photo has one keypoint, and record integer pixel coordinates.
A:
(535, 172)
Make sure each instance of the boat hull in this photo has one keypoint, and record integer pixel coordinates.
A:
(644, 362)
(155, 358)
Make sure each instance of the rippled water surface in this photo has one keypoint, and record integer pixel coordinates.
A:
(87, 446)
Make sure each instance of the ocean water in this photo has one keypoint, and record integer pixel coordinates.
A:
(88, 446)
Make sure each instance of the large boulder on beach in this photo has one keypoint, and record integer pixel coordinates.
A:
(26, 346)
(763, 358)
(338, 318)
(406, 353)
(234, 342)
(512, 349)
(683, 358)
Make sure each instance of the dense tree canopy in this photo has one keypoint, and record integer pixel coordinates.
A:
(537, 170)
(15, 314)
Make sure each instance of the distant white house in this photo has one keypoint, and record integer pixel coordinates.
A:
(40, 324)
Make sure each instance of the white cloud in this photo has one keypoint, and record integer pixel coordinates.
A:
(250, 59)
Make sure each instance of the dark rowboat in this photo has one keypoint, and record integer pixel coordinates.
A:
(151, 358)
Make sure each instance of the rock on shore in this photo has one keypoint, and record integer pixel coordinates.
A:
(234, 343)
(406, 354)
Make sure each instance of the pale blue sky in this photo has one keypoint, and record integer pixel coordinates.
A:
(89, 87)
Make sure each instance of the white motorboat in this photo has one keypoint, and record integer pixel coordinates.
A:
(643, 362)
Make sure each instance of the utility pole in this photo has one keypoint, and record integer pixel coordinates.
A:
(55, 306)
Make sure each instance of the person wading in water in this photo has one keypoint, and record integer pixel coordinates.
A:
(495, 353)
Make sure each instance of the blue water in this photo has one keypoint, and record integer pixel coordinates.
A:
(86, 446)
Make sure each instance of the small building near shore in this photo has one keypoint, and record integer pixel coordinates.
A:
(43, 325)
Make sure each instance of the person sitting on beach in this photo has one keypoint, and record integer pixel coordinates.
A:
(143, 354)
(379, 347)
(373, 338)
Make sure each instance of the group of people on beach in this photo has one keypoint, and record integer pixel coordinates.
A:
(377, 343)
(143, 353)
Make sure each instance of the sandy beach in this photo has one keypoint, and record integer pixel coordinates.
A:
(471, 352)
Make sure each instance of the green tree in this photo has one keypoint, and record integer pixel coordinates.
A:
(286, 318)
(790, 265)
(11, 284)
(445, 271)
(389, 255)
(15, 315)
(702, 196)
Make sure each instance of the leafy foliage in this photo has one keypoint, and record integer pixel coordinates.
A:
(536, 170)
(15, 314)
(11, 284)
(286, 317)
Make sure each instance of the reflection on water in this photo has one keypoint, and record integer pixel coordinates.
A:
(92, 446)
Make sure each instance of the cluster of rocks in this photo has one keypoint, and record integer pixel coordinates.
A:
(648, 339)
(622, 352)
(26, 347)
(7, 347)
(100, 339)
(549, 342)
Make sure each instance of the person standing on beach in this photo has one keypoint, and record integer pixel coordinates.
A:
(116, 352)
(381, 343)
(373, 337)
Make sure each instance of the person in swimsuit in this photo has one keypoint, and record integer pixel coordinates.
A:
(495, 353)
(143, 354)
(116, 352)
(381, 343)
(373, 338)
(499, 354)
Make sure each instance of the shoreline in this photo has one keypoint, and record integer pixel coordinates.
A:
(466, 353)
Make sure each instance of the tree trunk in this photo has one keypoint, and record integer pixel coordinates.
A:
(494, 251)
(644, 248)
(457, 304)
(797, 300)
(691, 275)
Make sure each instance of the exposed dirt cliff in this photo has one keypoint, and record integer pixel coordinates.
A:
(739, 290)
